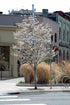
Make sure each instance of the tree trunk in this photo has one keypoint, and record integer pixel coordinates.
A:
(35, 76)
(50, 68)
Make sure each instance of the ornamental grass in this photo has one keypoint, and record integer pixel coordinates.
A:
(67, 68)
(43, 73)
(28, 73)
(57, 73)
(65, 65)
(60, 71)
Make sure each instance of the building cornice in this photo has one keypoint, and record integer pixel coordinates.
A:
(8, 28)
(62, 14)
(6, 44)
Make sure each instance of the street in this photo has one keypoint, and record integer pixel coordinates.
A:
(45, 98)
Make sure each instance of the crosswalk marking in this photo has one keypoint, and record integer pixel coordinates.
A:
(8, 96)
(15, 100)
(26, 104)
(10, 99)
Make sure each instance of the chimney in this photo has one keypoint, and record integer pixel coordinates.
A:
(45, 12)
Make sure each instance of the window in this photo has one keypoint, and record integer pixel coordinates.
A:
(64, 55)
(59, 32)
(67, 35)
(55, 37)
(4, 56)
(51, 38)
(67, 55)
(64, 34)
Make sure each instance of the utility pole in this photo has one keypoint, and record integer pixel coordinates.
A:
(33, 43)
(50, 68)
(33, 12)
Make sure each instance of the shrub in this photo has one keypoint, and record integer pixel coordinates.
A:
(55, 82)
(66, 69)
(47, 61)
(58, 72)
(20, 82)
(43, 73)
(28, 73)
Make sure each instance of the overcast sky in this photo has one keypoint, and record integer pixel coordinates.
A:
(51, 5)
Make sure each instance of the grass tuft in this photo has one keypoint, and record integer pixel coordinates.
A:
(28, 73)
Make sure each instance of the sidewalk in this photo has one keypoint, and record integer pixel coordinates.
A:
(9, 86)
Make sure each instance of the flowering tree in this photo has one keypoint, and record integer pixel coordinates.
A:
(32, 42)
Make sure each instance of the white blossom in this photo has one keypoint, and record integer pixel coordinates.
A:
(33, 41)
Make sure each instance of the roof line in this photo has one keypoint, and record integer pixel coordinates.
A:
(63, 15)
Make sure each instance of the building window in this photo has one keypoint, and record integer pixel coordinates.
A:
(59, 33)
(67, 36)
(64, 34)
(55, 37)
(67, 55)
(4, 57)
(64, 55)
(51, 38)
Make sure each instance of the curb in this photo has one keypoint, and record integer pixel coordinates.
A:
(42, 85)
(39, 90)
(36, 92)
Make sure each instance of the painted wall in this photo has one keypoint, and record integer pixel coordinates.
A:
(6, 34)
(6, 39)
(54, 26)
(64, 40)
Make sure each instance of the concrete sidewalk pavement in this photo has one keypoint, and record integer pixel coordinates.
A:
(9, 86)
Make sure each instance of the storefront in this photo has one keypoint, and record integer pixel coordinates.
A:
(4, 57)
(8, 63)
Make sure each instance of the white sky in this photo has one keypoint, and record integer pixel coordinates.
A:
(51, 5)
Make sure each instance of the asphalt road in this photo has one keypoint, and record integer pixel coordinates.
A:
(48, 98)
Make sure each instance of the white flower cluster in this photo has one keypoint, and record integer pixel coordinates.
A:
(33, 41)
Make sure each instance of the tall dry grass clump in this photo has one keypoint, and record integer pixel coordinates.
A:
(57, 72)
(28, 73)
(66, 69)
(43, 73)
(61, 70)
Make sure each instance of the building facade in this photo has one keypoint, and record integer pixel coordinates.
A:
(64, 34)
(8, 63)
(55, 37)
(7, 28)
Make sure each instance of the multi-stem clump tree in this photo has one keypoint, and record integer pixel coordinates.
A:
(33, 41)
